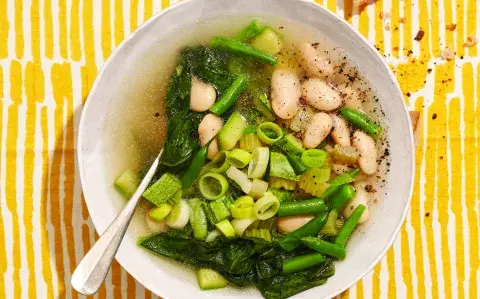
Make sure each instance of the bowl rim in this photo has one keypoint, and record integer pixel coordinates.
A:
(314, 6)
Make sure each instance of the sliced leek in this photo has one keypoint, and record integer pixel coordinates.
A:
(269, 132)
(179, 216)
(226, 228)
(220, 163)
(240, 178)
(258, 188)
(239, 158)
(267, 206)
(258, 164)
(213, 185)
(241, 225)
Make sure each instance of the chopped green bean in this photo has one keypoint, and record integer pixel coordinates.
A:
(343, 196)
(302, 262)
(311, 206)
(325, 247)
(361, 120)
(349, 226)
(230, 96)
(249, 32)
(237, 47)
(291, 241)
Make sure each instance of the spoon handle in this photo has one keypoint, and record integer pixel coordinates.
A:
(92, 270)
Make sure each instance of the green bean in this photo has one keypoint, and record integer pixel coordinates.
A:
(197, 163)
(343, 196)
(325, 247)
(230, 96)
(302, 262)
(311, 206)
(296, 162)
(291, 241)
(249, 32)
(349, 226)
(337, 182)
(237, 47)
(361, 120)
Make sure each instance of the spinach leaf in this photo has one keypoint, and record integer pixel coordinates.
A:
(178, 91)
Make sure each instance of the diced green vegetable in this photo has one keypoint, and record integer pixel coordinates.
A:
(218, 211)
(232, 131)
(269, 41)
(220, 163)
(263, 105)
(213, 185)
(280, 167)
(209, 279)
(281, 183)
(313, 181)
(127, 183)
(163, 189)
(236, 47)
(249, 32)
(160, 212)
(282, 195)
(230, 96)
(290, 143)
(239, 158)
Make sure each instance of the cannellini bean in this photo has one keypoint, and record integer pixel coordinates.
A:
(155, 226)
(319, 127)
(289, 224)
(340, 132)
(351, 97)
(361, 197)
(285, 93)
(368, 152)
(321, 95)
(202, 95)
(315, 63)
(208, 127)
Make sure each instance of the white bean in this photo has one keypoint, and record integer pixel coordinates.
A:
(321, 95)
(319, 127)
(292, 223)
(202, 95)
(208, 127)
(315, 63)
(340, 132)
(361, 197)
(351, 97)
(285, 93)
(368, 152)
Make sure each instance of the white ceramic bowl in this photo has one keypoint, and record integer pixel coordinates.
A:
(111, 90)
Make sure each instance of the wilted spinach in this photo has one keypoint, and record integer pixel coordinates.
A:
(243, 262)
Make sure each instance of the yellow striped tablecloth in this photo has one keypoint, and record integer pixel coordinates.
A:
(50, 52)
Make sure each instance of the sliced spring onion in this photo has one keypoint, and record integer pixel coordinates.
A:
(213, 185)
(242, 213)
(226, 228)
(259, 233)
(314, 158)
(240, 178)
(179, 216)
(220, 163)
(212, 235)
(244, 202)
(267, 206)
(239, 158)
(159, 213)
(198, 219)
(258, 188)
(241, 225)
(259, 163)
(268, 128)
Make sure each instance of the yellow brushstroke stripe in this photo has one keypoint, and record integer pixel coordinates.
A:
(118, 23)
(116, 279)
(406, 268)
(392, 288)
(48, 35)
(75, 47)
(4, 29)
(59, 80)
(379, 43)
(472, 172)
(165, 3)
(376, 280)
(394, 28)
(133, 15)
(332, 5)
(148, 294)
(11, 171)
(449, 39)
(102, 292)
(33, 89)
(472, 13)
(106, 30)
(345, 295)
(435, 31)
(456, 195)
(348, 10)
(364, 23)
(407, 27)
(131, 286)
(147, 9)
(19, 40)
(460, 29)
(35, 30)
(359, 288)
(46, 262)
(62, 26)
(424, 23)
(89, 71)
(3, 256)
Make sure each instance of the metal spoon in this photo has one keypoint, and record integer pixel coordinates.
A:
(92, 270)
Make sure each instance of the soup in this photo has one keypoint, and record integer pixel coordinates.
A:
(272, 146)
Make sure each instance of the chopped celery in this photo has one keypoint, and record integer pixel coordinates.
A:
(281, 183)
(269, 41)
(313, 181)
(163, 189)
(249, 142)
(330, 228)
(345, 154)
(209, 279)
(127, 183)
(232, 131)
(282, 195)
(259, 233)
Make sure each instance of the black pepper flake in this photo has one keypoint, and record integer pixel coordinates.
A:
(441, 157)
(408, 94)
(315, 45)
(281, 27)
(157, 114)
(434, 116)
(429, 71)
(419, 35)
(427, 214)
